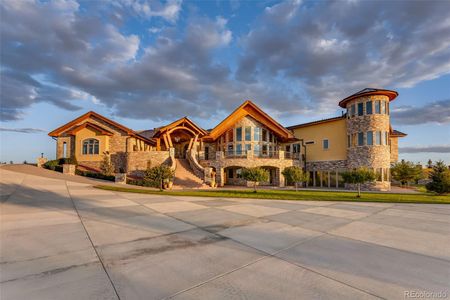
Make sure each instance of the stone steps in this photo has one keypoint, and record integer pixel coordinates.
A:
(185, 178)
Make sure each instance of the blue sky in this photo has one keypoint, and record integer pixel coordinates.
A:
(146, 63)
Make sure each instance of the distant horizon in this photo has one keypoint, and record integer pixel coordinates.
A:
(145, 64)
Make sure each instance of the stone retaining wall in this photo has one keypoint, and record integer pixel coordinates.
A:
(139, 161)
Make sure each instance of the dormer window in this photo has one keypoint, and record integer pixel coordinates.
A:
(90, 146)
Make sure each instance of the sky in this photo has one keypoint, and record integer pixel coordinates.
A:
(147, 63)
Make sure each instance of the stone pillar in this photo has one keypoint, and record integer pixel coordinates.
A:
(280, 177)
(281, 154)
(219, 155)
(121, 178)
(41, 161)
(69, 169)
(220, 177)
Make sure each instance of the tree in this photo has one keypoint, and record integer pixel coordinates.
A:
(440, 178)
(256, 175)
(430, 164)
(358, 177)
(405, 171)
(295, 174)
(156, 176)
(106, 166)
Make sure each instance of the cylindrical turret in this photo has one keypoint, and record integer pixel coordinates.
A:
(368, 127)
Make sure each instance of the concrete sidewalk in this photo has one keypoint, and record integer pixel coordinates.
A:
(63, 239)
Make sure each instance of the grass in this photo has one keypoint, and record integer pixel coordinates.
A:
(293, 195)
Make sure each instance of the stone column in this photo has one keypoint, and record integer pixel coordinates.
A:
(280, 177)
(41, 161)
(220, 177)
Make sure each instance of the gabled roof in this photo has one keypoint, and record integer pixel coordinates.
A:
(182, 122)
(248, 108)
(58, 131)
(91, 126)
(367, 92)
(316, 122)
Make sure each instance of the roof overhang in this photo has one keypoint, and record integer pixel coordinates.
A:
(91, 126)
(369, 92)
(248, 108)
(183, 123)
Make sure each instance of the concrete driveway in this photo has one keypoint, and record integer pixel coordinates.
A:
(66, 240)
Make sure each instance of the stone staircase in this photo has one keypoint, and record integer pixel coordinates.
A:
(185, 177)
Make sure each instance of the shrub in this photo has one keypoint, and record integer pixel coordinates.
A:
(256, 175)
(358, 177)
(440, 179)
(106, 166)
(406, 171)
(51, 164)
(95, 175)
(156, 176)
(295, 175)
(68, 160)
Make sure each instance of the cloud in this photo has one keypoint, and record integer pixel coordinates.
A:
(426, 149)
(297, 58)
(330, 50)
(22, 130)
(434, 112)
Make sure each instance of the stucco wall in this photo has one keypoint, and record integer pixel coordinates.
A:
(336, 134)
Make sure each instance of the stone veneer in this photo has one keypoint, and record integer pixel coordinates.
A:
(370, 156)
(137, 162)
(328, 165)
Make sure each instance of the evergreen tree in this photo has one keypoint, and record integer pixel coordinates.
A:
(440, 179)
(405, 171)
(430, 164)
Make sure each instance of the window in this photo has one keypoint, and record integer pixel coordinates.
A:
(239, 134)
(264, 135)
(256, 149)
(296, 148)
(360, 109)
(239, 173)
(370, 138)
(248, 147)
(270, 137)
(360, 138)
(239, 149)
(248, 133)
(256, 132)
(230, 149)
(90, 146)
(230, 173)
(349, 140)
(369, 107)
(383, 107)
(264, 149)
(378, 137)
(230, 136)
(65, 150)
(353, 110)
(377, 107)
(325, 144)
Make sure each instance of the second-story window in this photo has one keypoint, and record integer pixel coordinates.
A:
(378, 137)
(264, 135)
(230, 136)
(370, 138)
(369, 107)
(383, 108)
(256, 132)
(239, 134)
(360, 109)
(325, 144)
(353, 111)
(239, 149)
(248, 133)
(360, 138)
(377, 107)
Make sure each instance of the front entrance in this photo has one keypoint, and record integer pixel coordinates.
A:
(181, 149)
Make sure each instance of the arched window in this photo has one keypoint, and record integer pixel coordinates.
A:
(90, 146)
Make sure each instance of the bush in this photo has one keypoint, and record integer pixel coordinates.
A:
(440, 179)
(295, 175)
(106, 166)
(256, 175)
(68, 160)
(406, 171)
(95, 175)
(51, 164)
(156, 176)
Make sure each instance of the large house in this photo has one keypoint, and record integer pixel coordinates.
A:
(248, 137)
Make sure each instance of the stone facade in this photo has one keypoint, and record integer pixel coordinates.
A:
(376, 157)
(328, 165)
(137, 162)
(69, 169)
(394, 149)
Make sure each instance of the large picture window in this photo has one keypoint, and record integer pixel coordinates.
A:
(369, 107)
(248, 133)
(360, 109)
(370, 138)
(360, 138)
(239, 134)
(90, 146)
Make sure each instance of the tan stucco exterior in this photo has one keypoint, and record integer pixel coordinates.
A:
(334, 131)
(85, 134)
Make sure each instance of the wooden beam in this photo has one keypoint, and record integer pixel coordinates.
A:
(169, 139)
(165, 142)
(190, 144)
(158, 144)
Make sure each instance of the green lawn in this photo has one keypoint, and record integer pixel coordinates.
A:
(293, 195)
